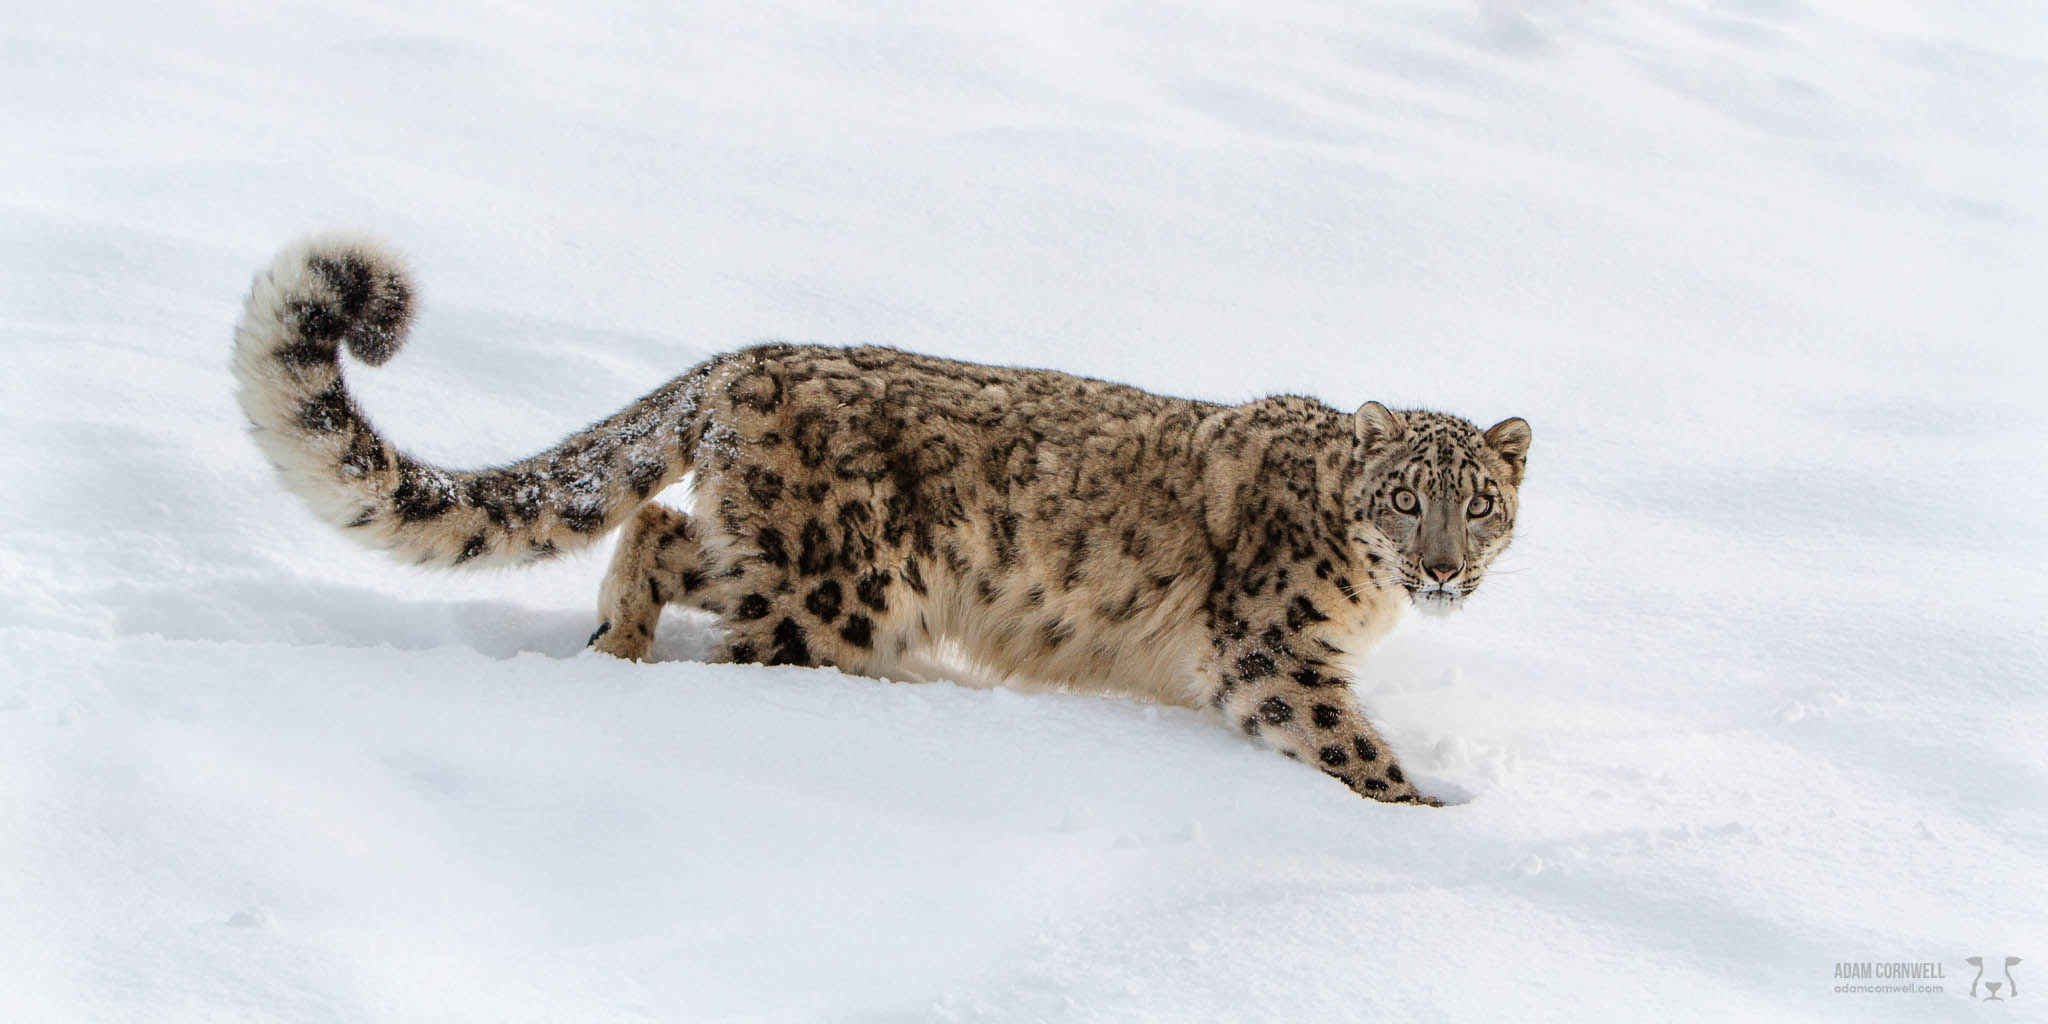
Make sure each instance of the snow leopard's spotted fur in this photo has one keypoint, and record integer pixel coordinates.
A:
(855, 506)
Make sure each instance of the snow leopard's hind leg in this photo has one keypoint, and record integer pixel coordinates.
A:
(660, 559)
(774, 609)
(777, 611)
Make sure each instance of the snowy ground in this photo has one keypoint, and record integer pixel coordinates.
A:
(1764, 694)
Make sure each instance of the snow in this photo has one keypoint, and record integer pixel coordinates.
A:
(1762, 693)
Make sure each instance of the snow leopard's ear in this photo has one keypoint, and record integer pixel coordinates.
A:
(1377, 426)
(1509, 439)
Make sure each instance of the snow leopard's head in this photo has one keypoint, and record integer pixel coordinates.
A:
(1436, 500)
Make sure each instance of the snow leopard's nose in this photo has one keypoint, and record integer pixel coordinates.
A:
(1443, 571)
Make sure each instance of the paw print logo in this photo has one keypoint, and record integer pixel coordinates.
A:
(1992, 987)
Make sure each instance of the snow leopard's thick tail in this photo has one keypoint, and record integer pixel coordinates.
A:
(332, 290)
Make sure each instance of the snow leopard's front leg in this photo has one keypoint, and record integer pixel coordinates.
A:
(1266, 685)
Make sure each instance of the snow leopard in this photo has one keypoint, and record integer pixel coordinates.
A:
(864, 507)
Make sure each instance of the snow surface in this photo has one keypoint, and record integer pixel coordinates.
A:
(1764, 691)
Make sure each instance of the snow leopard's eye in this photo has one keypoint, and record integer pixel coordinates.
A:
(1479, 506)
(1406, 502)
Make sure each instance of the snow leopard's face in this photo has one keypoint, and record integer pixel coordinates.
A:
(1437, 502)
